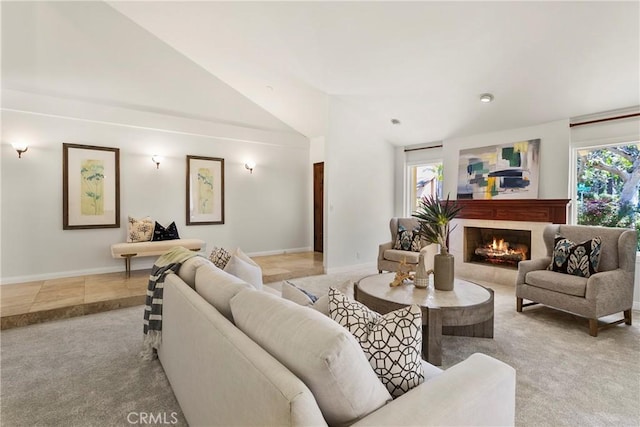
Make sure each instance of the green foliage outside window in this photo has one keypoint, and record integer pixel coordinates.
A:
(609, 187)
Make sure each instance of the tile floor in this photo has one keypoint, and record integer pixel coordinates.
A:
(34, 302)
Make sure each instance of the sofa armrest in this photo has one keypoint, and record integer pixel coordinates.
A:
(383, 247)
(614, 288)
(479, 391)
(525, 267)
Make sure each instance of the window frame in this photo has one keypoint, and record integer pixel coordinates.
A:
(573, 174)
(408, 187)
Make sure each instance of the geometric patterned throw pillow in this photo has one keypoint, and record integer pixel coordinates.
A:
(392, 342)
(139, 230)
(169, 233)
(578, 259)
(219, 257)
(407, 240)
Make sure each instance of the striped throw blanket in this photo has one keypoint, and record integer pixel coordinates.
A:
(169, 263)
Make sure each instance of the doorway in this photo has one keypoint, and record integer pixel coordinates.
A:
(318, 206)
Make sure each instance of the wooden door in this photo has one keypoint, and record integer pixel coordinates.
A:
(318, 206)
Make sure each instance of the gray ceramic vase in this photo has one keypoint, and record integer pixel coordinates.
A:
(443, 271)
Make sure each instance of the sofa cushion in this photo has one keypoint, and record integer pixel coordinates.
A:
(392, 342)
(398, 255)
(305, 298)
(240, 265)
(188, 269)
(559, 282)
(578, 259)
(139, 230)
(324, 355)
(270, 290)
(218, 287)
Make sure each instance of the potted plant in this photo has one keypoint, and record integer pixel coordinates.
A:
(435, 217)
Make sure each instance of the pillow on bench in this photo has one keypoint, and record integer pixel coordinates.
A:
(139, 230)
(161, 233)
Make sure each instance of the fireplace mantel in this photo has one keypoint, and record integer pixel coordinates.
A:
(533, 210)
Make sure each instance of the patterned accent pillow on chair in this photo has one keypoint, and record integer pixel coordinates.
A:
(139, 230)
(407, 240)
(578, 259)
(392, 342)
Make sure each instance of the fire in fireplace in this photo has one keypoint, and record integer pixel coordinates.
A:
(499, 247)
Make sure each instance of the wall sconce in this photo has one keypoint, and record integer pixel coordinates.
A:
(157, 159)
(20, 147)
(250, 165)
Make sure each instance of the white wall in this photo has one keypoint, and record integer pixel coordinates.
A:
(554, 155)
(265, 212)
(359, 177)
(316, 149)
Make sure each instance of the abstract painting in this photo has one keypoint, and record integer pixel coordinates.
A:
(507, 171)
(205, 190)
(91, 187)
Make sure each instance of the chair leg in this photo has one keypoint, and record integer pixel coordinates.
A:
(593, 327)
(519, 305)
(379, 271)
(627, 317)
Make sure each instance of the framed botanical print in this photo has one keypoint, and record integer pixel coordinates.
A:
(90, 187)
(205, 190)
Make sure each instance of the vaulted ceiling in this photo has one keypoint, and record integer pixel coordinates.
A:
(424, 63)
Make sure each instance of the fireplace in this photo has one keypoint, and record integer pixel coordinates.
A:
(496, 246)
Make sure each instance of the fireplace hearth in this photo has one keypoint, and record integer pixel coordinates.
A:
(496, 247)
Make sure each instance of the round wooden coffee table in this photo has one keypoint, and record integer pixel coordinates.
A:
(467, 310)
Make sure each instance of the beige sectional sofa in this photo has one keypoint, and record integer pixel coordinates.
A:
(242, 373)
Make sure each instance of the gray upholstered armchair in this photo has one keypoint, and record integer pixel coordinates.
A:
(606, 292)
(389, 258)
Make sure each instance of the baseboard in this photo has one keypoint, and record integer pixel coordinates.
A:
(141, 263)
(282, 251)
(59, 275)
(348, 268)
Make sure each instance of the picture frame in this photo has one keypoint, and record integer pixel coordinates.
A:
(90, 187)
(503, 171)
(205, 190)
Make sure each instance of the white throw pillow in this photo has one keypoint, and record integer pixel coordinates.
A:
(392, 342)
(240, 265)
(324, 355)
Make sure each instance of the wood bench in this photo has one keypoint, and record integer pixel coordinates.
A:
(143, 249)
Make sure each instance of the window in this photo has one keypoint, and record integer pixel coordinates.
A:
(424, 180)
(608, 186)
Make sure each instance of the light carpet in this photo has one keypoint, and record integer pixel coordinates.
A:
(85, 371)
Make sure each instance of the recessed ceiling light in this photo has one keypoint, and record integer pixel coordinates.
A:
(395, 121)
(486, 97)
